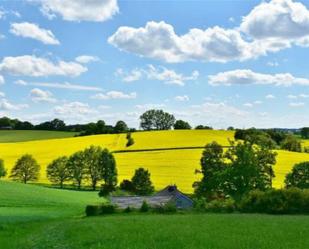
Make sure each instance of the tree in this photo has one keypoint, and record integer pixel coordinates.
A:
(26, 169)
(121, 127)
(58, 171)
(156, 120)
(291, 143)
(2, 169)
(212, 164)
(299, 177)
(77, 167)
(141, 182)
(182, 125)
(304, 132)
(108, 168)
(203, 127)
(92, 164)
(5, 122)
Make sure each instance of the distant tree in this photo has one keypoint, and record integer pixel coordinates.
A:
(92, 164)
(23, 126)
(121, 127)
(156, 120)
(230, 128)
(26, 169)
(2, 169)
(304, 132)
(182, 125)
(5, 122)
(77, 167)
(99, 127)
(58, 171)
(108, 170)
(291, 143)
(54, 125)
(212, 165)
(299, 177)
(127, 185)
(141, 182)
(203, 127)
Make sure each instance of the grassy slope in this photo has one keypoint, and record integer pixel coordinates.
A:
(39, 217)
(167, 167)
(22, 136)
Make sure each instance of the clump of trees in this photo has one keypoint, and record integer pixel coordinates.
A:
(156, 120)
(242, 168)
(140, 183)
(299, 177)
(291, 143)
(203, 127)
(182, 125)
(26, 169)
(304, 132)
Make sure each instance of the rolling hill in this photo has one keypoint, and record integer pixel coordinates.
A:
(170, 165)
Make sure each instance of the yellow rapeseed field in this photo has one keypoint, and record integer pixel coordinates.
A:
(166, 167)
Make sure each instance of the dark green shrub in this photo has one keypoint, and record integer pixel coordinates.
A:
(107, 209)
(130, 142)
(145, 207)
(127, 185)
(106, 190)
(170, 207)
(220, 206)
(92, 210)
(128, 210)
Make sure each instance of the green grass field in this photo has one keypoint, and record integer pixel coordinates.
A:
(39, 217)
(10, 136)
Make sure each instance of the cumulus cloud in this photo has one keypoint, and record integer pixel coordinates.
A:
(2, 81)
(30, 65)
(270, 96)
(32, 30)
(150, 106)
(245, 77)
(65, 85)
(6, 105)
(297, 104)
(114, 95)
(182, 98)
(38, 95)
(73, 108)
(84, 59)
(79, 10)
(159, 73)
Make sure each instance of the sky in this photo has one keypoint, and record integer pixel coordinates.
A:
(220, 63)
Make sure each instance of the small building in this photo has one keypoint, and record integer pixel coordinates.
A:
(170, 194)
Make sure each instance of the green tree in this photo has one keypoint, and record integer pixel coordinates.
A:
(26, 169)
(212, 166)
(58, 171)
(156, 120)
(304, 132)
(142, 182)
(77, 167)
(182, 125)
(299, 177)
(92, 164)
(121, 127)
(108, 168)
(291, 143)
(2, 169)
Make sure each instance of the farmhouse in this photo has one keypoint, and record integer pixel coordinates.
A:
(170, 194)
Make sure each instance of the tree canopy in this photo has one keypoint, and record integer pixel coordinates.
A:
(156, 120)
(299, 177)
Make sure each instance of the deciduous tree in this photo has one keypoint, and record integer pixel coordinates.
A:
(26, 169)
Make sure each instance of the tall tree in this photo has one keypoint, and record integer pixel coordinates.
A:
(156, 120)
(108, 168)
(92, 163)
(182, 125)
(121, 127)
(2, 169)
(26, 169)
(58, 171)
(77, 167)
(141, 182)
(299, 177)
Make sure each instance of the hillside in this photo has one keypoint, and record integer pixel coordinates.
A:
(12, 136)
(173, 166)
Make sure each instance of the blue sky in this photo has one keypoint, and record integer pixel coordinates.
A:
(218, 63)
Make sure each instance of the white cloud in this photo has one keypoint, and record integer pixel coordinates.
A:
(158, 40)
(2, 81)
(248, 105)
(80, 10)
(30, 65)
(32, 30)
(290, 96)
(8, 106)
(65, 85)
(150, 106)
(258, 102)
(38, 95)
(273, 64)
(160, 73)
(84, 59)
(245, 77)
(270, 96)
(2, 94)
(75, 108)
(182, 98)
(297, 104)
(115, 95)
(304, 95)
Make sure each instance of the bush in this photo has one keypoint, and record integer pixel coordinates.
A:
(127, 185)
(145, 207)
(130, 142)
(220, 206)
(107, 209)
(106, 190)
(282, 201)
(128, 210)
(92, 210)
(168, 208)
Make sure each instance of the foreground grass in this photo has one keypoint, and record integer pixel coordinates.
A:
(13, 136)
